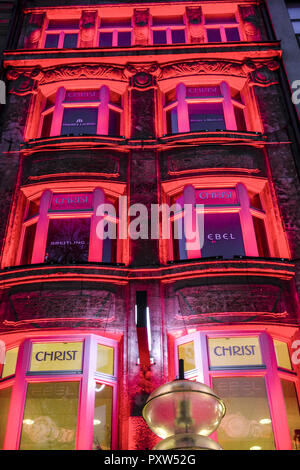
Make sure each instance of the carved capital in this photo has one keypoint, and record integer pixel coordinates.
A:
(142, 76)
(195, 24)
(251, 22)
(141, 26)
(264, 73)
(88, 24)
(34, 31)
(24, 81)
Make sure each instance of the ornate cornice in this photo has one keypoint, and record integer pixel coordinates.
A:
(143, 75)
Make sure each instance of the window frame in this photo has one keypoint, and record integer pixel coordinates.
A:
(168, 29)
(62, 33)
(182, 102)
(57, 109)
(243, 208)
(115, 30)
(45, 215)
(269, 371)
(222, 26)
(86, 397)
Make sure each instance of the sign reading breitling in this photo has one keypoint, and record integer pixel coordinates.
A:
(241, 351)
(56, 357)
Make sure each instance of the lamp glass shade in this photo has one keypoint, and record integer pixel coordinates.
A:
(183, 406)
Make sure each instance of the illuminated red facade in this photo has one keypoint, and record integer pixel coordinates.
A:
(120, 104)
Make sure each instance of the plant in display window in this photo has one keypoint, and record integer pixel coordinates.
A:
(62, 228)
(81, 112)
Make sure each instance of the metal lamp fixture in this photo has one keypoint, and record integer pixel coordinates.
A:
(184, 413)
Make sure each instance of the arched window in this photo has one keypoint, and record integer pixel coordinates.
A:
(67, 228)
(60, 393)
(81, 112)
(220, 221)
(204, 108)
(254, 375)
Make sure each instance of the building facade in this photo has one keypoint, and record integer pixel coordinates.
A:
(149, 213)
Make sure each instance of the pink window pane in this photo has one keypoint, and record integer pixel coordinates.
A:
(159, 37)
(124, 38)
(77, 121)
(105, 39)
(232, 34)
(206, 116)
(68, 241)
(178, 36)
(213, 35)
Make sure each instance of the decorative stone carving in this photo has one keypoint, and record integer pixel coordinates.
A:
(250, 22)
(142, 76)
(88, 24)
(195, 24)
(24, 82)
(34, 31)
(141, 28)
(264, 74)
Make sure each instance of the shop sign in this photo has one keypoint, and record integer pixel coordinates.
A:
(56, 357)
(234, 352)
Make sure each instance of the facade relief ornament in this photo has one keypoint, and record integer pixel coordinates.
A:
(251, 23)
(24, 82)
(142, 76)
(141, 26)
(264, 74)
(34, 31)
(88, 24)
(195, 24)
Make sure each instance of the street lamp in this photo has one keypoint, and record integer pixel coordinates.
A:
(184, 413)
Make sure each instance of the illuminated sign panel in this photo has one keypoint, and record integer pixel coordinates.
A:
(234, 352)
(202, 92)
(56, 357)
(71, 201)
(216, 196)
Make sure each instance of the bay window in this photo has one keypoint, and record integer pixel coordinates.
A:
(262, 409)
(81, 112)
(217, 222)
(63, 228)
(115, 32)
(62, 34)
(168, 30)
(221, 28)
(204, 108)
(61, 396)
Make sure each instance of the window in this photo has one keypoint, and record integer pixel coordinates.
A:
(221, 28)
(204, 108)
(62, 34)
(81, 112)
(262, 410)
(59, 380)
(114, 32)
(62, 228)
(168, 30)
(216, 222)
(294, 14)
